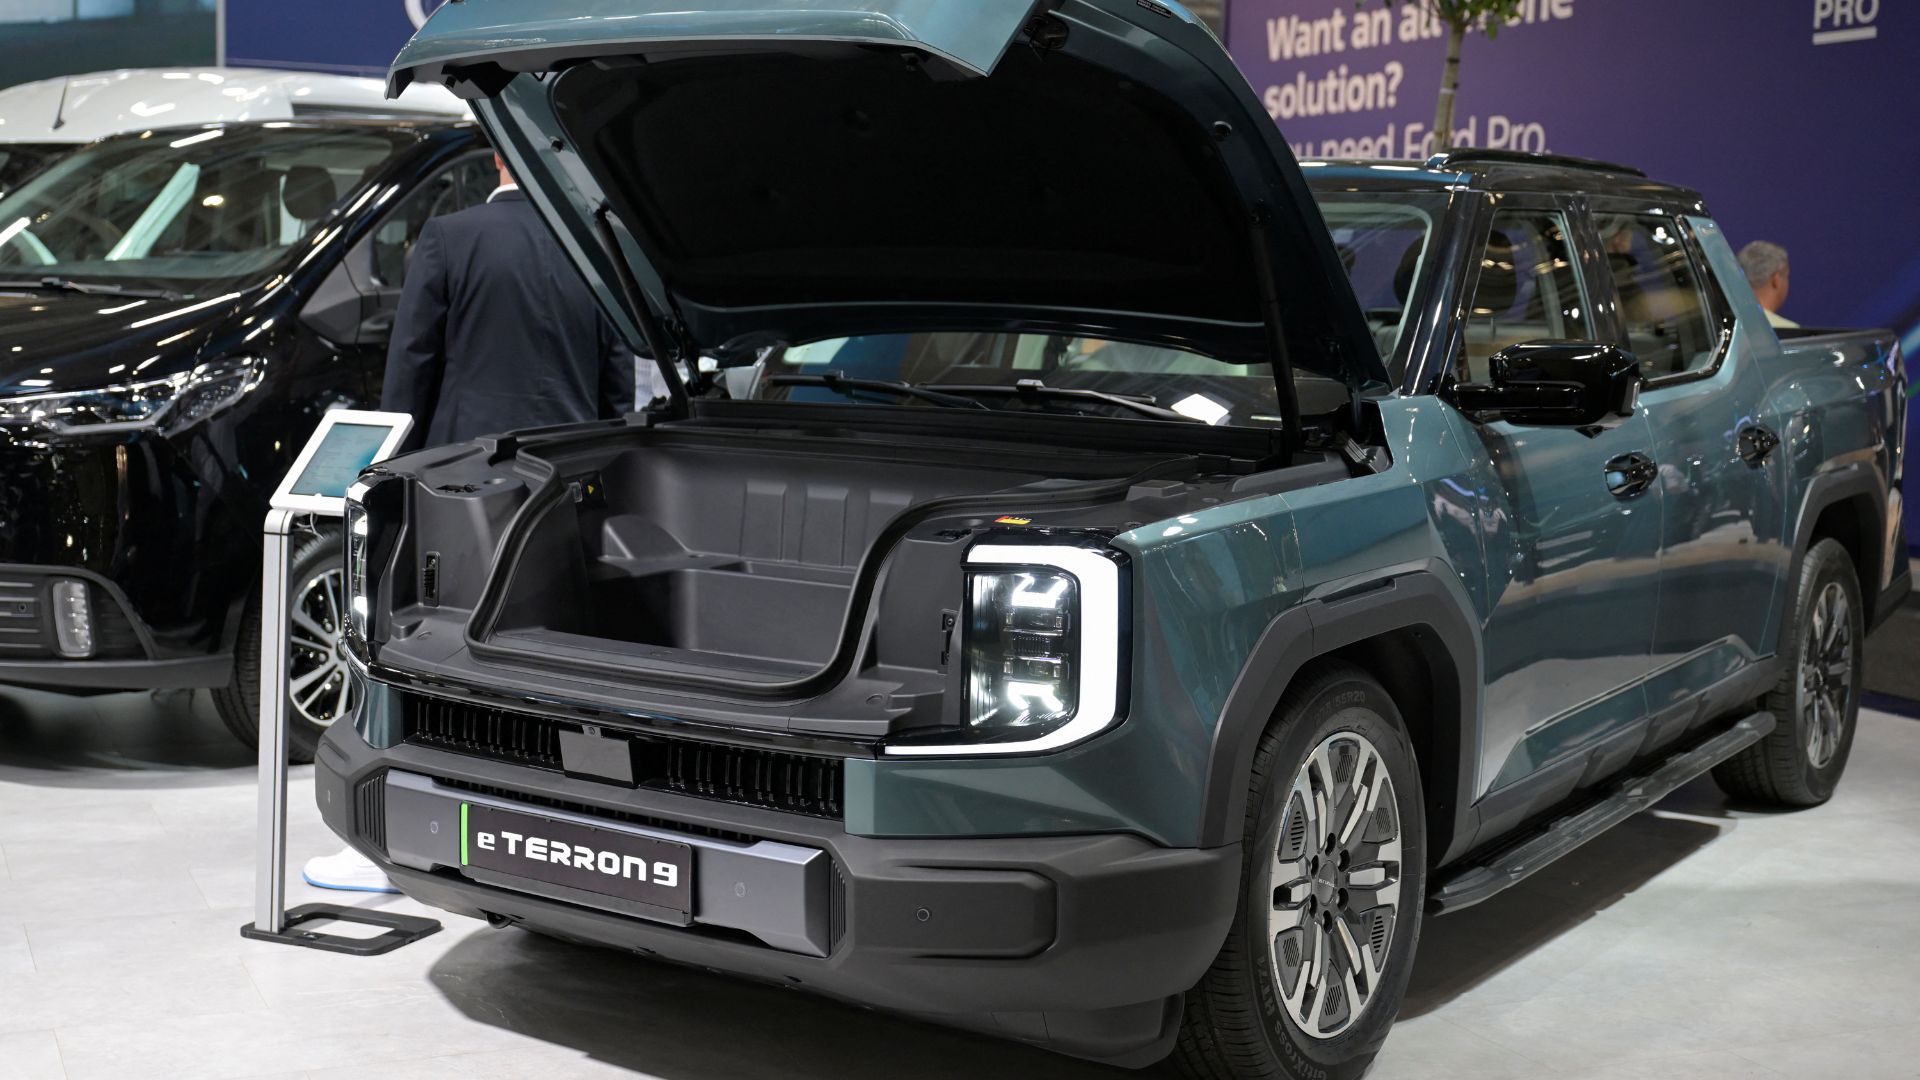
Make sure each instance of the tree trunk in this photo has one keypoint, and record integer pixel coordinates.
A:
(1449, 86)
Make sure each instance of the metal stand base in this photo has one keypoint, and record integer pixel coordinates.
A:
(401, 930)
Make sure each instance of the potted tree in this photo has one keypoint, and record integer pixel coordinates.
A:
(1460, 17)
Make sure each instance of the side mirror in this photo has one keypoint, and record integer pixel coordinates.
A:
(1555, 384)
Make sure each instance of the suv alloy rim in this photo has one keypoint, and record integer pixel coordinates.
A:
(1826, 673)
(319, 683)
(1335, 882)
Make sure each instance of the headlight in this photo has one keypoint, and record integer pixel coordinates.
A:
(169, 405)
(371, 528)
(1041, 666)
(357, 530)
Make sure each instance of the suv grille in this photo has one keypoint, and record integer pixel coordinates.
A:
(772, 779)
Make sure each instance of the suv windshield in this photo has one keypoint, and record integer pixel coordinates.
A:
(191, 211)
(21, 160)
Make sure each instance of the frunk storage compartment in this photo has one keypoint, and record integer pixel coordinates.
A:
(742, 558)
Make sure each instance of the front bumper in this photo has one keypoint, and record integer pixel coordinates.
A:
(1083, 944)
(152, 528)
(125, 656)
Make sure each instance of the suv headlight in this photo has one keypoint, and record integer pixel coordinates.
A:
(170, 404)
(1041, 655)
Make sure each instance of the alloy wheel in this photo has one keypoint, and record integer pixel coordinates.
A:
(1335, 884)
(1826, 673)
(319, 683)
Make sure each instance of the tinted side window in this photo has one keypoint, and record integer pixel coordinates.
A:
(466, 183)
(1528, 289)
(1663, 304)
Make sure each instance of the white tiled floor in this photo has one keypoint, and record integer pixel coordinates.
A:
(1693, 943)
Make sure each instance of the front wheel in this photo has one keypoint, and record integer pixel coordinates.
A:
(321, 688)
(1332, 882)
(1816, 703)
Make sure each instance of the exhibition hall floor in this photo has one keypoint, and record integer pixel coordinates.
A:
(1693, 943)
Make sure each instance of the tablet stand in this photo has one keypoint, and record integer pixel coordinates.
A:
(271, 921)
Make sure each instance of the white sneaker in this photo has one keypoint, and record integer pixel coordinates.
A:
(349, 871)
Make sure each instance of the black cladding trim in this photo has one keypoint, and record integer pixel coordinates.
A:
(487, 612)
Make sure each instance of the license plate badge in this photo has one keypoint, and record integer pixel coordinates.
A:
(638, 869)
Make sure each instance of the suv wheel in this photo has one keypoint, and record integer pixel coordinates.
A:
(1816, 703)
(1312, 972)
(321, 686)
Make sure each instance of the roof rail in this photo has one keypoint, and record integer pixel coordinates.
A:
(1470, 155)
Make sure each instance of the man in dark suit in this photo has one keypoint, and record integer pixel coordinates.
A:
(497, 331)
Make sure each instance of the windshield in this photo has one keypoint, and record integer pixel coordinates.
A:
(1028, 372)
(191, 211)
(1382, 238)
(21, 160)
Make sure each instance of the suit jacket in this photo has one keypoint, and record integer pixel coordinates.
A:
(497, 331)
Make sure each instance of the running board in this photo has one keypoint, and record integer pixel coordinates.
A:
(1514, 863)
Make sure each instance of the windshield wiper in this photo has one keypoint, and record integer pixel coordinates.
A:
(60, 284)
(1035, 390)
(842, 384)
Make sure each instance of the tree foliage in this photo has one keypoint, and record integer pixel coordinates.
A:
(1460, 17)
(1487, 16)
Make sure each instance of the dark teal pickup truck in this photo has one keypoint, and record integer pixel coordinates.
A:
(1135, 576)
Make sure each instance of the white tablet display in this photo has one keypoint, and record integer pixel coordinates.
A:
(346, 442)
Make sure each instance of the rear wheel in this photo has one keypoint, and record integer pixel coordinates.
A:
(1313, 970)
(321, 687)
(1816, 703)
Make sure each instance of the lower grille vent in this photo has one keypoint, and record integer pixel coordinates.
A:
(771, 779)
(600, 811)
(370, 810)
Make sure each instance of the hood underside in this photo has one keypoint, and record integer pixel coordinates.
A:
(788, 170)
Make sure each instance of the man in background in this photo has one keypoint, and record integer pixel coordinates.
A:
(1766, 268)
(497, 331)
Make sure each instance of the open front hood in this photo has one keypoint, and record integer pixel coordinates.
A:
(788, 170)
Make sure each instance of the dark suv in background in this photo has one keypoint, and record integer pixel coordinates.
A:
(178, 308)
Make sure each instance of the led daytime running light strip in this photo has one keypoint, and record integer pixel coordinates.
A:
(1099, 670)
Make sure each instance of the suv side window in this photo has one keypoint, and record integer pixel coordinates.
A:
(1529, 289)
(1664, 307)
(465, 183)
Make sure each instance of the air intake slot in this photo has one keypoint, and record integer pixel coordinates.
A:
(775, 780)
(370, 810)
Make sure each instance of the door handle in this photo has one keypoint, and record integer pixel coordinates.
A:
(1631, 474)
(1755, 443)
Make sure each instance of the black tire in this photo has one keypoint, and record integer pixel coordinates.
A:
(1238, 1022)
(1787, 768)
(238, 703)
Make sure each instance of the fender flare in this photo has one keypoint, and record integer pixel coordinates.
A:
(1824, 491)
(1424, 596)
